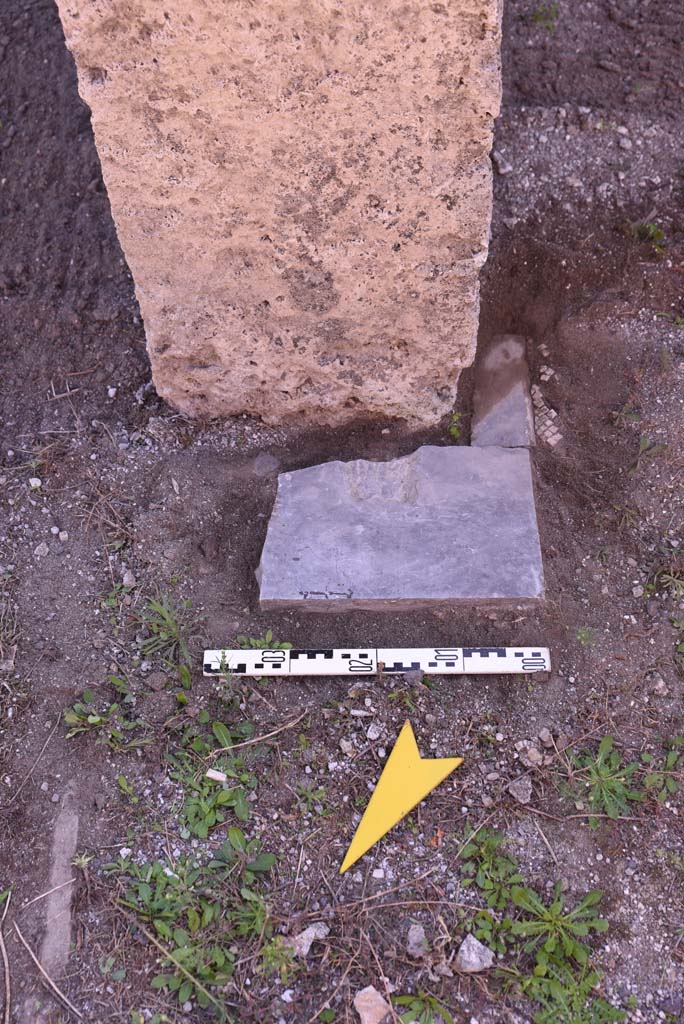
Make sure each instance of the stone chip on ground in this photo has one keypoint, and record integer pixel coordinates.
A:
(521, 789)
(370, 1005)
(473, 956)
(443, 525)
(416, 943)
(302, 943)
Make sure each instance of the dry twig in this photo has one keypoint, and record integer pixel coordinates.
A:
(259, 739)
(5, 961)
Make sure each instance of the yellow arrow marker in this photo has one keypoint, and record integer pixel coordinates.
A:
(406, 780)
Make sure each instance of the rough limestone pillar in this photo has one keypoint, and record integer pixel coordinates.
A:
(302, 190)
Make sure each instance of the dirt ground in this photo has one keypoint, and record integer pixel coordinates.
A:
(109, 499)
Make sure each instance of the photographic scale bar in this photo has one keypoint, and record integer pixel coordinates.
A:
(454, 661)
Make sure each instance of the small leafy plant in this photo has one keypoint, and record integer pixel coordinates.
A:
(546, 16)
(197, 914)
(651, 232)
(455, 428)
(568, 997)
(489, 868)
(559, 979)
(279, 958)
(607, 783)
(206, 802)
(495, 932)
(262, 643)
(586, 636)
(243, 856)
(551, 928)
(312, 799)
(664, 781)
(647, 450)
(422, 1009)
(165, 623)
(110, 725)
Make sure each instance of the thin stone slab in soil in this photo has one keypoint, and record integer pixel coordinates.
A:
(441, 526)
(502, 404)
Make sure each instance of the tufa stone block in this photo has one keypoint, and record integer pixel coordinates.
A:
(302, 192)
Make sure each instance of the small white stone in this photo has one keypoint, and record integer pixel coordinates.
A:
(473, 956)
(128, 579)
(370, 1005)
(54, 530)
(546, 737)
(35, 483)
(417, 944)
(303, 942)
(111, 392)
(374, 732)
(521, 789)
(379, 873)
(63, 536)
(42, 550)
(502, 165)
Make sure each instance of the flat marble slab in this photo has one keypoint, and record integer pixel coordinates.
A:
(442, 526)
(502, 407)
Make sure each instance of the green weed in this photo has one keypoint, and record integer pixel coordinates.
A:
(647, 450)
(262, 643)
(312, 799)
(523, 926)
(568, 997)
(545, 16)
(279, 958)
(242, 857)
(165, 624)
(607, 785)
(586, 636)
(664, 781)
(495, 932)
(110, 725)
(652, 233)
(627, 414)
(422, 1009)
(207, 803)
(455, 429)
(197, 914)
(551, 928)
(489, 868)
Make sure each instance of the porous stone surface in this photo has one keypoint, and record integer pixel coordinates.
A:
(439, 526)
(302, 192)
(502, 406)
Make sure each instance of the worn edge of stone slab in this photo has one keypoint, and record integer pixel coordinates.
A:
(502, 405)
(379, 604)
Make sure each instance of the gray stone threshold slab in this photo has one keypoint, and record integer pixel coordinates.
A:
(442, 526)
